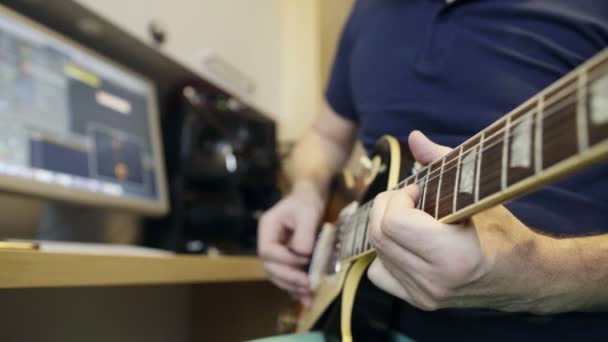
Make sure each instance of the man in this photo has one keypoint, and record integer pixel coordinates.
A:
(450, 68)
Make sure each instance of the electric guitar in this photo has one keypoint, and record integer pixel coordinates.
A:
(559, 131)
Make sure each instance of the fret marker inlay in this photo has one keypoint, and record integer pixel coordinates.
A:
(467, 171)
(521, 155)
(599, 101)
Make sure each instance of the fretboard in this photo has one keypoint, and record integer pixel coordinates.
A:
(561, 130)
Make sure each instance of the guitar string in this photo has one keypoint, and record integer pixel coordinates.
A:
(549, 142)
(496, 171)
(360, 229)
(548, 115)
(567, 93)
(481, 185)
(477, 151)
(564, 93)
(365, 246)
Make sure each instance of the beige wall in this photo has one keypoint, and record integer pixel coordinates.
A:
(245, 33)
(300, 86)
(284, 46)
(310, 31)
(332, 17)
(252, 35)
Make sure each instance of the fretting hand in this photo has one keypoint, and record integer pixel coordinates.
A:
(491, 261)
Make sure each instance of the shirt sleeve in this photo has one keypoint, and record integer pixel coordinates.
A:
(338, 92)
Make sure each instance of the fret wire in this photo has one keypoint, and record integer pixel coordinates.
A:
(355, 235)
(425, 183)
(340, 240)
(488, 181)
(456, 181)
(363, 223)
(495, 171)
(439, 187)
(371, 205)
(581, 112)
(366, 225)
(359, 230)
(538, 148)
(553, 140)
(419, 204)
(365, 237)
(345, 242)
(550, 125)
(505, 154)
(562, 94)
(550, 113)
(349, 242)
(353, 239)
(479, 147)
(541, 104)
(485, 148)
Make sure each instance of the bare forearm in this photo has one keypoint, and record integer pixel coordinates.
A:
(316, 159)
(584, 265)
(321, 152)
(555, 275)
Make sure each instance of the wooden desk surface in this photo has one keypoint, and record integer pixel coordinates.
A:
(29, 269)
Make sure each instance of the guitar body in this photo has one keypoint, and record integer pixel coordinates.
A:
(371, 308)
(561, 130)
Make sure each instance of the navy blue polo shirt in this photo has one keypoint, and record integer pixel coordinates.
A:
(451, 69)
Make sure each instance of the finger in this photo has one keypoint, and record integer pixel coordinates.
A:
(414, 286)
(269, 228)
(270, 246)
(294, 291)
(392, 209)
(408, 197)
(389, 249)
(424, 150)
(405, 266)
(411, 229)
(304, 298)
(384, 280)
(281, 254)
(304, 233)
(392, 253)
(376, 213)
(288, 274)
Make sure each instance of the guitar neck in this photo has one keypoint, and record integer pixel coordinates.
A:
(561, 130)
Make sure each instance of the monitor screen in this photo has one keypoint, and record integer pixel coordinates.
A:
(73, 125)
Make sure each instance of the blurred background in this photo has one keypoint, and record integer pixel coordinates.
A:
(149, 127)
(254, 71)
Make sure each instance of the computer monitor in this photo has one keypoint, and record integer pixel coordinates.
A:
(74, 126)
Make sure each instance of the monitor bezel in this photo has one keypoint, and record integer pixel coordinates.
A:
(32, 187)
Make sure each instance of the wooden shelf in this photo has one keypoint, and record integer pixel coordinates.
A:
(29, 269)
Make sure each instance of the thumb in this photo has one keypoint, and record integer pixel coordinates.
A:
(383, 279)
(424, 150)
(304, 234)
